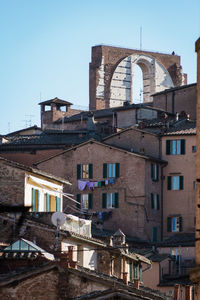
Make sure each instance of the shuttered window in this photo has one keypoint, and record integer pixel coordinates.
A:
(175, 147)
(154, 172)
(111, 170)
(84, 171)
(35, 200)
(174, 224)
(155, 204)
(110, 200)
(84, 201)
(175, 183)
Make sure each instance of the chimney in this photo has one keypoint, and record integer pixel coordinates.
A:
(188, 292)
(125, 277)
(136, 283)
(176, 291)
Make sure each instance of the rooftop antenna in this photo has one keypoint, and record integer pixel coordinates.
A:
(58, 219)
(29, 121)
(140, 37)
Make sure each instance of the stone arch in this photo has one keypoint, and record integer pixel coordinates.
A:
(155, 79)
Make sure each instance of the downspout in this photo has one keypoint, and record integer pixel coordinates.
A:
(162, 181)
(173, 101)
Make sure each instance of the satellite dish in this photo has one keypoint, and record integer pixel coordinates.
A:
(58, 218)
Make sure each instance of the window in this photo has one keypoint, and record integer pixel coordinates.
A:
(35, 200)
(155, 201)
(110, 200)
(84, 171)
(175, 183)
(154, 172)
(84, 201)
(111, 170)
(175, 147)
(194, 185)
(194, 149)
(52, 203)
(174, 224)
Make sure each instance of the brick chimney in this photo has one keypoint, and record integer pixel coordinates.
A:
(188, 292)
(177, 292)
(125, 277)
(136, 283)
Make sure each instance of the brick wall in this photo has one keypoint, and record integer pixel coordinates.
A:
(134, 186)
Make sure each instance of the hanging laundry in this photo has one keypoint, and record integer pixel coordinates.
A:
(82, 184)
(103, 183)
(99, 183)
(99, 215)
(95, 184)
(111, 180)
(90, 185)
(106, 182)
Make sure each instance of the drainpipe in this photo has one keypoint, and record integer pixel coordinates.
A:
(173, 101)
(161, 201)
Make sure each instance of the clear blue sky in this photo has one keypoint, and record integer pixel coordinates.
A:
(46, 46)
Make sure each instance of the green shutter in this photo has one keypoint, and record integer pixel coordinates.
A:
(117, 170)
(136, 271)
(90, 201)
(154, 238)
(182, 146)
(116, 200)
(169, 224)
(140, 273)
(152, 202)
(38, 199)
(131, 271)
(181, 182)
(152, 171)
(47, 202)
(90, 171)
(78, 199)
(33, 199)
(169, 182)
(78, 171)
(104, 170)
(158, 202)
(157, 169)
(58, 203)
(168, 146)
(104, 200)
(180, 224)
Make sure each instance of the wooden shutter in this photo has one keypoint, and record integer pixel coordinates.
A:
(140, 273)
(104, 170)
(181, 182)
(158, 202)
(152, 201)
(169, 224)
(90, 201)
(58, 204)
(152, 171)
(78, 199)
(104, 200)
(182, 146)
(168, 146)
(47, 202)
(33, 200)
(90, 171)
(180, 224)
(131, 271)
(169, 182)
(117, 170)
(78, 171)
(116, 200)
(157, 169)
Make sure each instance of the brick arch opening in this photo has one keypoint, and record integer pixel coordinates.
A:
(155, 79)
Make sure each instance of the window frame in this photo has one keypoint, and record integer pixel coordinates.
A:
(173, 184)
(111, 170)
(84, 171)
(175, 147)
(174, 224)
(154, 171)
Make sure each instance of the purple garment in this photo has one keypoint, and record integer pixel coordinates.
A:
(90, 185)
(82, 184)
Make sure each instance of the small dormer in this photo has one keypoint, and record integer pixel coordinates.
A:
(52, 110)
(119, 238)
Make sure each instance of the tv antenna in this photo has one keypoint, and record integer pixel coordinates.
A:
(58, 219)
